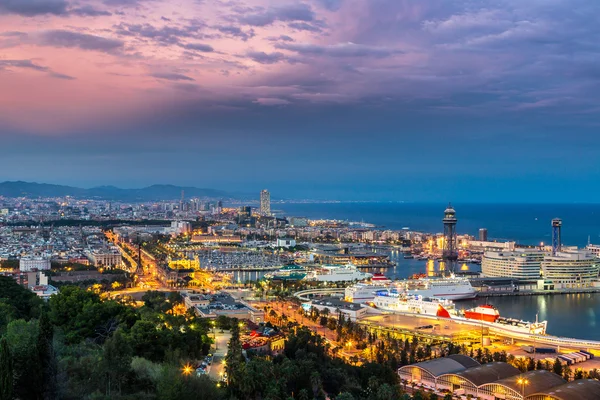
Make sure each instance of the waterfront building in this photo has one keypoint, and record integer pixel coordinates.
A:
(478, 245)
(517, 264)
(520, 387)
(427, 372)
(463, 376)
(265, 203)
(579, 389)
(571, 269)
(335, 306)
(483, 235)
(27, 264)
(594, 249)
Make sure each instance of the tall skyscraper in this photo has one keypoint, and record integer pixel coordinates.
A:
(265, 203)
(483, 235)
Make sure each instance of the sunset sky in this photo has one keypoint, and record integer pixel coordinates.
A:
(349, 99)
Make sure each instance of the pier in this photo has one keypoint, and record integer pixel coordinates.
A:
(453, 327)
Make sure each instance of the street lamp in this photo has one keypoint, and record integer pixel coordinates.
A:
(523, 382)
(187, 369)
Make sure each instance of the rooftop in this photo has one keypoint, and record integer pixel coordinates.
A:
(337, 303)
(446, 365)
(488, 373)
(537, 381)
(582, 389)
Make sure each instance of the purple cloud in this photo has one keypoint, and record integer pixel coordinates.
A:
(338, 50)
(31, 8)
(235, 31)
(28, 64)
(289, 12)
(84, 41)
(265, 58)
(170, 76)
(88, 11)
(205, 48)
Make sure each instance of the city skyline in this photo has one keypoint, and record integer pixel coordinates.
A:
(324, 99)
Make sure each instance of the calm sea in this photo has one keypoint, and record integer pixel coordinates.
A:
(524, 223)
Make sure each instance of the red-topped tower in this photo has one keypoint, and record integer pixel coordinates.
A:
(450, 251)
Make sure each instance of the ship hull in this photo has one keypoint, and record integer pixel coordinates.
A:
(481, 316)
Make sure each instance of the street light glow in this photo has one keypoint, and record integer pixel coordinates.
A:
(187, 369)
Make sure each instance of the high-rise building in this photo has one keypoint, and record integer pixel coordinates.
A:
(518, 264)
(483, 235)
(265, 203)
(244, 212)
(571, 269)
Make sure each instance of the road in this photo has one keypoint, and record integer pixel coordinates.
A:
(217, 367)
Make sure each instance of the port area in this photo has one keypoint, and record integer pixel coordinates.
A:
(536, 292)
(471, 335)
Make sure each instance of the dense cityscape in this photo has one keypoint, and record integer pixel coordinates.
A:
(199, 294)
(299, 200)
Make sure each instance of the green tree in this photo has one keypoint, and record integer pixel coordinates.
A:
(22, 337)
(557, 367)
(46, 357)
(344, 396)
(116, 362)
(6, 371)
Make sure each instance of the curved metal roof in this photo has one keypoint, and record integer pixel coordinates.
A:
(445, 365)
(468, 362)
(581, 389)
(488, 373)
(537, 381)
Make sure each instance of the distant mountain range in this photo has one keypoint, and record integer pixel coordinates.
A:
(150, 193)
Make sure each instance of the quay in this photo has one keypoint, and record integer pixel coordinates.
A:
(492, 293)
(453, 326)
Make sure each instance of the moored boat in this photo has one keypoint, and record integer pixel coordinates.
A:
(486, 312)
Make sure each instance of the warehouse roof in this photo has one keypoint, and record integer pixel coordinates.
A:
(488, 373)
(537, 381)
(581, 389)
(445, 365)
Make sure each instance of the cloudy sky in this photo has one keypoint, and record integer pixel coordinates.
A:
(349, 99)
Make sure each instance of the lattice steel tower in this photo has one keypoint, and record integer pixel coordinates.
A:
(556, 242)
(450, 251)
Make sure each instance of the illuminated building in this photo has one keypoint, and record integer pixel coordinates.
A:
(265, 203)
(518, 264)
(571, 269)
(34, 263)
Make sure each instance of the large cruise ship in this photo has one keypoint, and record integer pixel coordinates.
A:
(442, 288)
(488, 315)
(392, 300)
(338, 273)
(445, 288)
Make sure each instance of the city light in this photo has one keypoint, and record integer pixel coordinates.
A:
(187, 369)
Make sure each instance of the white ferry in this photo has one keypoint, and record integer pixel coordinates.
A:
(338, 273)
(392, 300)
(442, 288)
(445, 288)
(363, 292)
